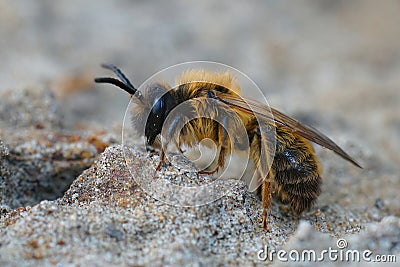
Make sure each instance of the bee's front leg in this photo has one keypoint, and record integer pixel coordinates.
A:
(162, 160)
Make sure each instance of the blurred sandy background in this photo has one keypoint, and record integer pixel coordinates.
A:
(334, 64)
(320, 61)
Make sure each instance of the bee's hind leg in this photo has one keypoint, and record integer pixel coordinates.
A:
(266, 201)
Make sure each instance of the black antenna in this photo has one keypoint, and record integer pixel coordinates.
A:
(123, 83)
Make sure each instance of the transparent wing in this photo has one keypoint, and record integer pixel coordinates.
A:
(275, 116)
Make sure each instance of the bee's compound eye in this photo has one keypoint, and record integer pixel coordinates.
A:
(157, 116)
(158, 107)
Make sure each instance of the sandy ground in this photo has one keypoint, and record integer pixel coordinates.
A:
(332, 64)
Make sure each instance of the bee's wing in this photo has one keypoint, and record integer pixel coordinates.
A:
(275, 116)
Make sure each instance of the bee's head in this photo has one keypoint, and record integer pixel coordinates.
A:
(155, 103)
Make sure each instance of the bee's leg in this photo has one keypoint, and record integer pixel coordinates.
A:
(171, 135)
(220, 164)
(224, 140)
(266, 196)
(216, 168)
(162, 160)
(153, 153)
(222, 135)
(208, 172)
(266, 201)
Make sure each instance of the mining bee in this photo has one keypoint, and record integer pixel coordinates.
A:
(294, 173)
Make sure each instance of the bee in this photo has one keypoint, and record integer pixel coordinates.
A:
(294, 175)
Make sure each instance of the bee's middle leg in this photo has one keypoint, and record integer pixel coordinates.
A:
(220, 163)
(222, 136)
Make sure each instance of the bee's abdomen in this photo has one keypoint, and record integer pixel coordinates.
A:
(296, 172)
